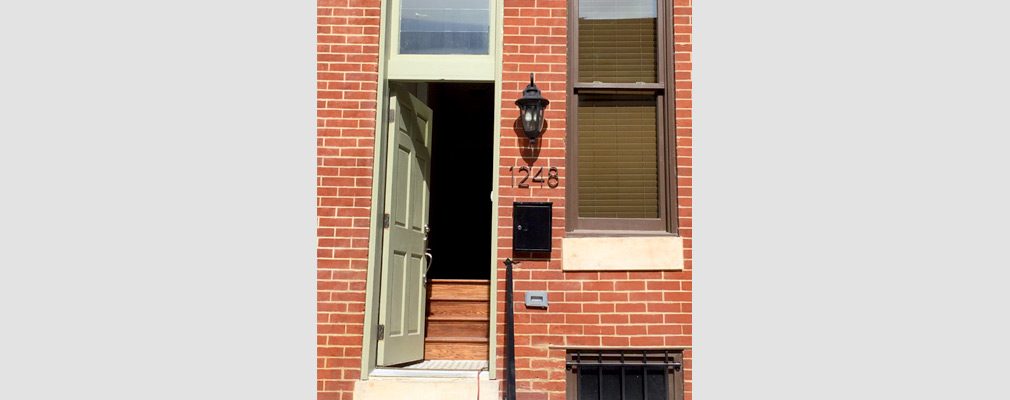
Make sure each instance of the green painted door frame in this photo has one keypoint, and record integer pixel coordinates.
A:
(369, 356)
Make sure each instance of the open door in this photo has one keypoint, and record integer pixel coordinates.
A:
(408, 168)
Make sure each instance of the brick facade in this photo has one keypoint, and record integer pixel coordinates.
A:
(348, 47)
(592, 309)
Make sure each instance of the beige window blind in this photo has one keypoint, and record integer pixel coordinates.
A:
(617, 50)
(617, 156)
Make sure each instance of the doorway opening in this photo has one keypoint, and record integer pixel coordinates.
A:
(459, 226)
(461, 182)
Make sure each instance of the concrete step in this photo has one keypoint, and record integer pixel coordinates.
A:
(428, 385)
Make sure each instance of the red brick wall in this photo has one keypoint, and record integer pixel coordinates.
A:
(348, 47)
(682, 76)
(591, 309)
(587, 308)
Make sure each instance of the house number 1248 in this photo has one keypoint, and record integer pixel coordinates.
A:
(552, 176)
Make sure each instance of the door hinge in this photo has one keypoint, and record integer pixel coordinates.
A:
(385, 220)
(381, 332)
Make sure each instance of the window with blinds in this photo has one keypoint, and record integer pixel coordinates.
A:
(617, 50)
(618, 146)
(617, 155)
(617, 41)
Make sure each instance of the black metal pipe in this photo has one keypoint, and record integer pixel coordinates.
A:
(510, 340)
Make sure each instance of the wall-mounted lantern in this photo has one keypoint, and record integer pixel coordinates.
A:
(531, 110)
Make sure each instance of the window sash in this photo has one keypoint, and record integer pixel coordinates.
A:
(659, 224)
(618, 156)
(618, 50)
(664, 49)
(666, 222)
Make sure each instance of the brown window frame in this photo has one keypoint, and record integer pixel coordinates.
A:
(626, 358)
(663, 90)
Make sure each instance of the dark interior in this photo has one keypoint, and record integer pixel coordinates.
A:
(461, 164)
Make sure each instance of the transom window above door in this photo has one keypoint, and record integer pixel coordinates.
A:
(442, 39)
(445, 26)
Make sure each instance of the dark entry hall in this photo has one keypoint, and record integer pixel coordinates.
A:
(461, 181)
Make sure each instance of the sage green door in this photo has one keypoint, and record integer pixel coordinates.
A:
(402, 291)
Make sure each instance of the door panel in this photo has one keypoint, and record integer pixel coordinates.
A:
(402, 294)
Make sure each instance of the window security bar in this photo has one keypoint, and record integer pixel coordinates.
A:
(675, 365)
(626, 374)
(648, 358)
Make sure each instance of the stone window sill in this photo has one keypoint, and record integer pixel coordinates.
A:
(661, 253)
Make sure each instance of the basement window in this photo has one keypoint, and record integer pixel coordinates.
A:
(625, 374)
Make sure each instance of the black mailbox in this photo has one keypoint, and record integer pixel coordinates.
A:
(531, 226)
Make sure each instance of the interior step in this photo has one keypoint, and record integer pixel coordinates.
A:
(459, 288)
(458, 298)
(456, 340)
(458, 308)
(455, 327)
(455, 348)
